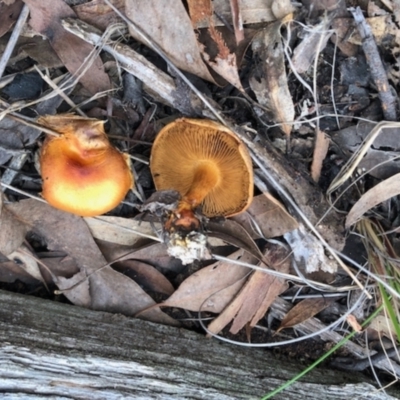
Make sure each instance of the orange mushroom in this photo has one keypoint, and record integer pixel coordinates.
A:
(207, 164)
(82, 172)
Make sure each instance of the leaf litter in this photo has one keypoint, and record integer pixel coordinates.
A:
(119, 263)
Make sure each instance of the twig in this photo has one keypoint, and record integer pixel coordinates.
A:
(377, 69)
(13, 38)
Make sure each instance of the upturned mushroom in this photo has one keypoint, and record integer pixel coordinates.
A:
(82, 172)
(208, 165)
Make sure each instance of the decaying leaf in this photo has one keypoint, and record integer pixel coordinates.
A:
(224, 63)
(381, 192)
(212, 288)
(256, 296)
(151, 253)
(313, 43)
(9, 13)
(97, 285)
(200, 11)
(24, 258)
(12, 230)
(120, 230)
(99, 14)
(176, 38)
(266, 218)
(303, 311)
(252, 12)
(45, 19)
(268, 79)
(146, 276)
(233, 233)
(15, 138)
(381, 159)
(308, 251)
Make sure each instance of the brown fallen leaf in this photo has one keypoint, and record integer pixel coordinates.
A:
(99, 14)
(233, 233)
(12, 230)
(39, 50)
(27, 261)
(45, 19)
(200, 11)
(266, 218)
(321, 147)
(381, 192)
(237, 20)
(9, 13)
(212, 288)
(224, 63)
(151, 253)
(120, 230)
(268, 79)
(97, 285)
(146, 276)
(10, 272)
(252, 12)
(256, 296)
(303, 311)
(168, 24)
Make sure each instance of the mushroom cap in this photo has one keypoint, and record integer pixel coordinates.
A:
(82, 172)
(184, 145)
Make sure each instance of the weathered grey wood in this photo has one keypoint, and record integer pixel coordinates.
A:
(56, 351)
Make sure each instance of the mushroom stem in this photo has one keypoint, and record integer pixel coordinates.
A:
(206, 177)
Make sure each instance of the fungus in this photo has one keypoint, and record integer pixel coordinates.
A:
(82, 172)
(208, 165)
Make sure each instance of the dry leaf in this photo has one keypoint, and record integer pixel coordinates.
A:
(154, 254)
(303, 311)
(269, 80)
(97, 285)
(314, 42)
(120, 230)
(12, 230)
(233, 233)
(321, 147)
(99, 14)
(167, 23)
(9, 13)
(146, 276)
(212, 288)
(309, 252)
(237, 20)
(200, 11)
(379, 160)
(224, 63)
(381, 192)
(27, 261)
(266, 218)
(252, 12)
(45, 19)
(15, 137)
(256, 296)
(383, 325)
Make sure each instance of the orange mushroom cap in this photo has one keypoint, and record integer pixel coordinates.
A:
(206, 163)
(82, 172)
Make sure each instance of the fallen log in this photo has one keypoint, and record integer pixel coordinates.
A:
(50, 350)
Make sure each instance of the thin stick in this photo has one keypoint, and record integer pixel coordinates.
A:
(13, 39)
(376, 67)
